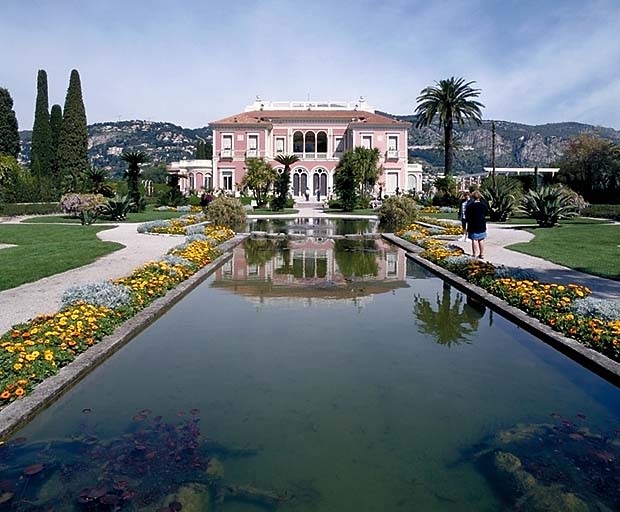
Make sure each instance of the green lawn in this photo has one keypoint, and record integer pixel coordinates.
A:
(132, 217)
(267, 211)
(582, 244)
(360, 211)
(47, 250)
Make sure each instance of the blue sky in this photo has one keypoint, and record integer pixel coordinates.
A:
(190, 62)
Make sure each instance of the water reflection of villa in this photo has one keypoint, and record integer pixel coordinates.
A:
(313, 268)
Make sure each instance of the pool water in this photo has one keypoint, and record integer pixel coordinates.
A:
(324, 375)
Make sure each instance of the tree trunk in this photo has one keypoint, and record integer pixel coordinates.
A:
(448, 147)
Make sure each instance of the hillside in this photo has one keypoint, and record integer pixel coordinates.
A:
(517, 145)
(163, 142)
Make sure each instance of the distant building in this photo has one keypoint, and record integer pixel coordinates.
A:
(318, 132)
(466, 181)
(196, 175)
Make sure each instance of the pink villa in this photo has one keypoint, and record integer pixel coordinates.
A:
(317, 132)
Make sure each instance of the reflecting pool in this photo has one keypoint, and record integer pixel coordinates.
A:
(317, 227)
(324, 375)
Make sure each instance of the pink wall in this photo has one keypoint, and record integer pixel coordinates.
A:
(395, 165)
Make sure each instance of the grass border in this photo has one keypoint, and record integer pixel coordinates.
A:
(594, 361)
(19, 412)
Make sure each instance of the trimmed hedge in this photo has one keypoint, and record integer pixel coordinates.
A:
(14, 209)
(605, 211)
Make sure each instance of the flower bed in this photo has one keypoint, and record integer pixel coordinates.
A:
(450, 228)
(557, 305)
(32, 351)
(172, 226)
(192, 209)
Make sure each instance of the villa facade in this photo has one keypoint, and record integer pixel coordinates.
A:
(318, 133)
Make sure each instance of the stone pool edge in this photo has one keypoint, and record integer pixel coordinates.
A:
(590, 359)
(18, 413)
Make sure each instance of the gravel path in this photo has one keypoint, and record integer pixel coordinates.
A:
(496, 252)
(43, 296)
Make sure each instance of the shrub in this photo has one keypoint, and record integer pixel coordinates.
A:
(195, 229)
(396, 212)
(103, 293)
(608, 310)
(502, 198)
(245, 200)
(227, 211)
(605, 211)
(117, 208)
(173, 260)
(14, 209)
(514, 273)
(85, 206)
(334, 204)
(548, 205)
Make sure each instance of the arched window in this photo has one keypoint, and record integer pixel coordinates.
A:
(310, 142)
(208, 183)
(412, 182)
(199, 181)
(192, 185)
(321, 142)
(298, 142)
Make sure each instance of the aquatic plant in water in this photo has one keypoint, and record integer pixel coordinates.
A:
(560, 465)
(155, 465)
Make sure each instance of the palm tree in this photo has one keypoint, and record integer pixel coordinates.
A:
(451, 99)
(97, 181)
(134, 159)
(448, 324)
(283, 180)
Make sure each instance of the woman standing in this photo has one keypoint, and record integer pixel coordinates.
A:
(475, 214)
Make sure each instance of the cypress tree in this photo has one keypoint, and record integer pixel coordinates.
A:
(55, 124)
(73, 140)
(41, 155)
(9, 133)
(200, 150)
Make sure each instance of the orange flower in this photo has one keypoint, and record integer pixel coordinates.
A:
(5, 395)
(20, 392)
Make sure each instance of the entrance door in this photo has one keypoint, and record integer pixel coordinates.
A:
(391, 182)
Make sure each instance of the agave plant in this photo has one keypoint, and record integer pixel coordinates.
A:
(502, 197)
(548, 205)
(118, 207)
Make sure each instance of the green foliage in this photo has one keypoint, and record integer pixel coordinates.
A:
(591, 166)
(548, 205)
(396, 212)
(42, 154)
(203, 149)
(14, 209)
(193, 200)
(259, 178)
(446, 192)
(73, 139)
(134, 159)
(227, 211)
(55, 126)
(450, 100)
(502, 198)
(19, 186)
(283, 181)
(157, 173)
(117, 207)
(173, 195)
(245, 200)
(367, 170)
(605, 211)
(9, 132)
(345, 181)
(96, 182)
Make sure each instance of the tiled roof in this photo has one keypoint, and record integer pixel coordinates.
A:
(265, 117)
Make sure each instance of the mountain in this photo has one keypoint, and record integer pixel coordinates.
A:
(517, 145)
(163, 142)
